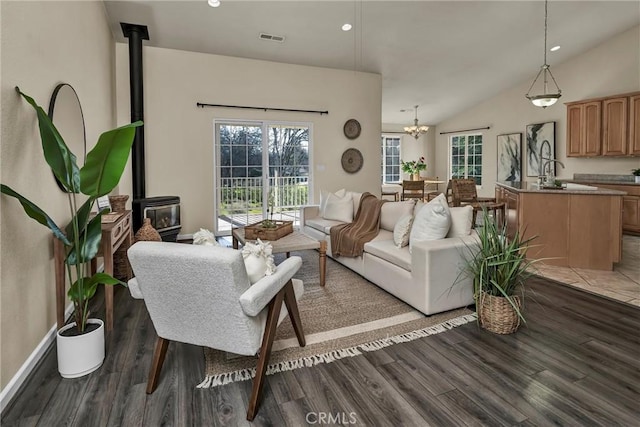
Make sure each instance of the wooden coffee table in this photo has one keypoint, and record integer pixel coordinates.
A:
(295, 241)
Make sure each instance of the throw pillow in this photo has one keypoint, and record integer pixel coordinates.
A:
(432, 221)
(324, 196)
(205, 237)
(355, 197)
(258, 260)
(391, 212)
(339, 209)
(461, 218)
(402, 230)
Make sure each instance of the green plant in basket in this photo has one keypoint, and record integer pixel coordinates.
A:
(498, 265)
(99, 175)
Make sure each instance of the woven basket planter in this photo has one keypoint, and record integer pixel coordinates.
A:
(118, 202)
(497, 315)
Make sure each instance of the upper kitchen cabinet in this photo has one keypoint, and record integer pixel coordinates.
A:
(604, 127)
(584, 131)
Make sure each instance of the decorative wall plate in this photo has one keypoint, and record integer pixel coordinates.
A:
(352, 129)
(352, 160)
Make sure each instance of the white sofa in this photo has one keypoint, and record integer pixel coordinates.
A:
(427, 277)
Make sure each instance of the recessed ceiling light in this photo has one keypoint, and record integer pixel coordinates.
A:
(553, 49)
(214, 3)
(346, 27)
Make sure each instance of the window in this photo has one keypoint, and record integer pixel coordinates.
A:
(390, 158)
(466, 157)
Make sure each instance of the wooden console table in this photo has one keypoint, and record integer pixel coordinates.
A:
(114, 235)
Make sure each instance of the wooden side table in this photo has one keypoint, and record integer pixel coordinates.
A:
(114, 235)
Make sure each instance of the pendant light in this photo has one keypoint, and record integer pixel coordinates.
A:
(547, 98)
(416, 130)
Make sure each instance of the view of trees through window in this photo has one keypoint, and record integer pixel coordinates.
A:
(390, 158)
(253, 169)
(466, 157)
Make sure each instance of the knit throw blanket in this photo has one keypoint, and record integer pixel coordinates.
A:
(349, 239)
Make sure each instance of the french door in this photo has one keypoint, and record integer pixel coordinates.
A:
(261, 171)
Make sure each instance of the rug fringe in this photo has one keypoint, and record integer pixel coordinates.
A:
(332, 356)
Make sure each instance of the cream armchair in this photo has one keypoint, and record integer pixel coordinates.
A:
(201, 295)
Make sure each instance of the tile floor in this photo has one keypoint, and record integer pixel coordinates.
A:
(623, 283)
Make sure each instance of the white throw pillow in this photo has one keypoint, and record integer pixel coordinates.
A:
(461, 218)
(339, 209)
(391, 212)
(432, 221)
(258, 260)
(205, 237)
(324, 196)
(402, 230)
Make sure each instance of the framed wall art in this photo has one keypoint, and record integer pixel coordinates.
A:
(541, 145)
(509, 157)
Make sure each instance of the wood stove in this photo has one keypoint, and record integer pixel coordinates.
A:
(164, 213)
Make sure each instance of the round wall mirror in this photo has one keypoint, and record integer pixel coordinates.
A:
(65, 112)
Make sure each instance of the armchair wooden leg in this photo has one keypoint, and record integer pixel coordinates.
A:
(294, 314)
(158, 359)
(265, 352)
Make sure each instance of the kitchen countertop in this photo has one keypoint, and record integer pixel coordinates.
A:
(532, 187)
(604, 179)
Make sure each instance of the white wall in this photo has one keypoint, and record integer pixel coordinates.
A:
(609, 69)
(43, 44)
(179, 135)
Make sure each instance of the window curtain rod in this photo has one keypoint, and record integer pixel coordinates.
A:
(465, 130)
(244, 107)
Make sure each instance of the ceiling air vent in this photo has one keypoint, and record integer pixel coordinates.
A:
(271, 37)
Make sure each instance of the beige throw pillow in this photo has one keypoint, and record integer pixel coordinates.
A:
(324, 196)
(402, 230)
(461, 218)
(339, 209)
(432, 221)
(391, 212)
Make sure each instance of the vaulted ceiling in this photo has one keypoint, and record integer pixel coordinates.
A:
(445, 56)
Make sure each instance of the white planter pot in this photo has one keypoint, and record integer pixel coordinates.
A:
(82, 354)
(637, 179)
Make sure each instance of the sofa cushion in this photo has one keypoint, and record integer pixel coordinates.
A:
(391, 212)
(432, 222)
(355, 198)
(401, 231)
(387, 250)
(383, 235)
(321, 224)
(324, 196)
(461, 218)
(339, 208)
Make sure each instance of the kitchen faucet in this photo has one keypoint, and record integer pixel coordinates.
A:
(550, 178)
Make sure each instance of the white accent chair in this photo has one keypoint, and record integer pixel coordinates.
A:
(201, 295)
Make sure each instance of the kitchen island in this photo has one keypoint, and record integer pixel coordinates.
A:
(576, 227)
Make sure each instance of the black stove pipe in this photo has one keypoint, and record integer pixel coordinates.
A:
(136, 33)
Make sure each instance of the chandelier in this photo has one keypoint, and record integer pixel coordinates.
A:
(546, 98)
(416, 130)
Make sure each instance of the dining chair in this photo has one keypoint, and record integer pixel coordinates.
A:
(413, 190)
(464, 192)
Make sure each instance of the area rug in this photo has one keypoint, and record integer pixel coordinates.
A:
(348, 316)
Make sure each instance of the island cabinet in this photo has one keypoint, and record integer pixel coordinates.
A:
(630, 206)
(608, 126)
(581, 229)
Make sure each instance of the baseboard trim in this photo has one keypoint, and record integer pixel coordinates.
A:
(27, 367)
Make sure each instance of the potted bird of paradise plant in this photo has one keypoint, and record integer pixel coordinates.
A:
(80, 344)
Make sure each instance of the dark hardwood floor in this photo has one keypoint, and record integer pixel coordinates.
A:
(575, 363)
